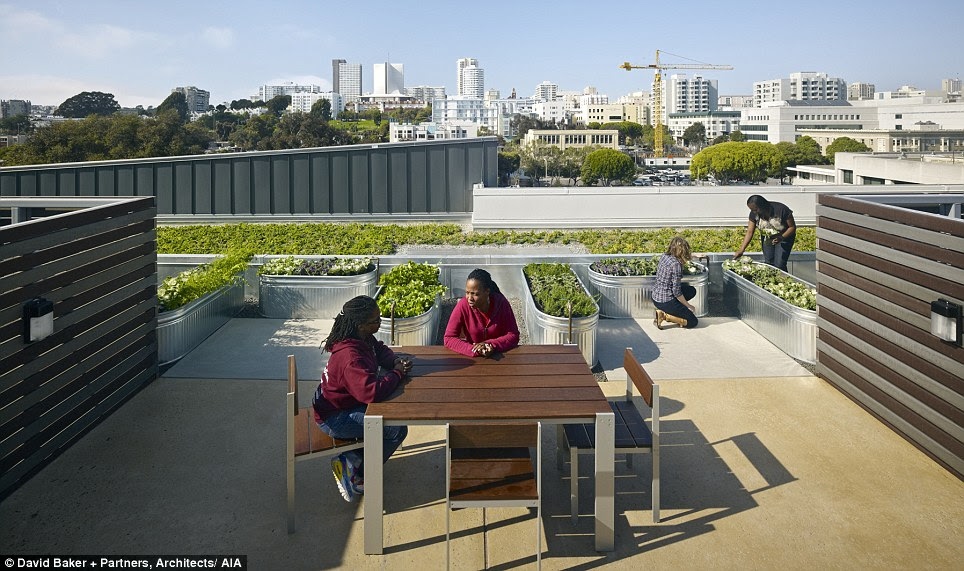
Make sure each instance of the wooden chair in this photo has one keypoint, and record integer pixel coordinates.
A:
(304, 439)
(632, 434)
(489, 465)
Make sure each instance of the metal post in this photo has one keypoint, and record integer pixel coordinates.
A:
(569, 309)
(393, 324)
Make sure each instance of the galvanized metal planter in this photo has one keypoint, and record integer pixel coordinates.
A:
(418, 330)
(630, 296)
(181, 330)
(297, 297)
(545, 329)
(792, 329)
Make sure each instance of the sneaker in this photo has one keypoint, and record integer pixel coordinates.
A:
(343, 472)
(357, 485)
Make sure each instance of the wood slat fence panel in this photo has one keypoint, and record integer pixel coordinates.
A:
(878, 268)
(98, 266)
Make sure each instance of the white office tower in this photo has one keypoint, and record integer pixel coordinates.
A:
(346, 79)
(800, 86)
(473, 82)
(546, 91)
(460, 65)
(197, 99)
(685, 95)
(266, 92)
(389, 79)
(860, 91)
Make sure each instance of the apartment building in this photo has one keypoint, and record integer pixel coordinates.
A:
(860, 91)
(546, 91)
(425, 93)
(472, 81)
(346, 79)
(304, 101)
(734, 102)
(690, 95)
(11, 107)
(461, 64)
(266, 92)
(800, 86)
(716, 123)
(197, 100)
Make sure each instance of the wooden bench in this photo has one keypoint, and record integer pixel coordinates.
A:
(305, 440)
(479, 475)
(632, 434)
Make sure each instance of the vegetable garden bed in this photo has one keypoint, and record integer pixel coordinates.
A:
(408, 298)
(791, 327)
(290, 288)
(550, 288)
(624, 286)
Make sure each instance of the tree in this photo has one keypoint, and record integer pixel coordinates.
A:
(720, 139)
(508, 164)
(239, 104)
(522, 124)
(695, 134)
(277, 104)
(321, 110)
(607, 165)
(737, 137)
(845, 145)
(628, 130)
(177, 103)
(15, 124)
(88, 103)
(649, 136)
(753, 161)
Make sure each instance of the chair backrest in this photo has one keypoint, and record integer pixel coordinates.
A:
(293, 381)
(493, 435)
(639, 377)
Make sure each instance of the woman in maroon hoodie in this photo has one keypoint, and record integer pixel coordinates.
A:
(482, 321)
(350, 381)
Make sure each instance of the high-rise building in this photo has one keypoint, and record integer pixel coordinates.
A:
(860, 91)
(266, 92)
(389, 78)
(425, 92)
(13, 107)
(346, 79)
(685, 95)
(197, 99)
(800, 86)
(473, 81)
(460, 65)
(303, 101)
(546, 91)
(951, 85)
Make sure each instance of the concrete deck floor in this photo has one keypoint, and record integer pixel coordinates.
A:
(762, 467)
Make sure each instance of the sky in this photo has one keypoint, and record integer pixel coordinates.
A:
(138, 51)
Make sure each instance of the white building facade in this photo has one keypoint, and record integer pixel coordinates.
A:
(303, 102)
(425, 93)
(690, 95)
(346, 79)
(606, 138)
(461, 64)
(716, 123)
(860, 91)
(472, 82)
(389, 79)
(800, 86)
(267, 92)
(402, 132)
(197, 100)
(734, 102)
(546, 91)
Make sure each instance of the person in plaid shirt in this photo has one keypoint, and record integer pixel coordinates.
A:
(671, 297)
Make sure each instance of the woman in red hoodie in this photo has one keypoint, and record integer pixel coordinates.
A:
(350, 381)
(482, 321)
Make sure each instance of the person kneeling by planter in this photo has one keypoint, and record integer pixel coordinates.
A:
(350, 381)
(482, 321)
(670, 295)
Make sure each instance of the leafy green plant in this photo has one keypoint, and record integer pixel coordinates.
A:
(774, 281)
(185, 287)
(553, 286)
(291, 266)
(637, 267)
(411, 287)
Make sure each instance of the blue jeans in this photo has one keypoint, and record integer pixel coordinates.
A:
(349, 425)
(778, 255)
(677, 309)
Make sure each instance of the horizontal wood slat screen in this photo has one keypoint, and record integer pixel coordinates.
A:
(98, 266)
(878, 269)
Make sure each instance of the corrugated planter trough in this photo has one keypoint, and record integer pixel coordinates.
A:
(629, 296)
(296, 297)
(418, 330)
(792, 329)
(181, 330)
(545, 329)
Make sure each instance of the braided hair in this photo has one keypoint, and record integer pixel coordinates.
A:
(354, 313)
(484, 278)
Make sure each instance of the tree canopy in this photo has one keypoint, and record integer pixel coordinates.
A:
(628, 131)
(278, 104)
(753, 161)
(737, 136)
(606, 165)
(321, 110)
(845, 145)
(88, 103)
(175, 102)
(695, 134)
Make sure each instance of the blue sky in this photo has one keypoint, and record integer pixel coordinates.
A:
(50, 50)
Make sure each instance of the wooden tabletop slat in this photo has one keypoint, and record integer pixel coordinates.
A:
(504, 382)
(520, 350)
(422, 370)
(504, 359)
(546, 410)
(490, 395)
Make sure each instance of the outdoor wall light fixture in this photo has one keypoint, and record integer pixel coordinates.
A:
(38, 319)
(946, 321)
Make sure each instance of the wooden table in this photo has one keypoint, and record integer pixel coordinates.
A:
(547, 383)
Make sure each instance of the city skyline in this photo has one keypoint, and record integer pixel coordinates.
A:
(51, 50)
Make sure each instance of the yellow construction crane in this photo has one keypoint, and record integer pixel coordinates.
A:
(658, 90)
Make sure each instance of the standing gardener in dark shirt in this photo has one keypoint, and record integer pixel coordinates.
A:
(777, 230)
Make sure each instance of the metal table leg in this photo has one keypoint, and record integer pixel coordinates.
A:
(605, 481)
(374, 474)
